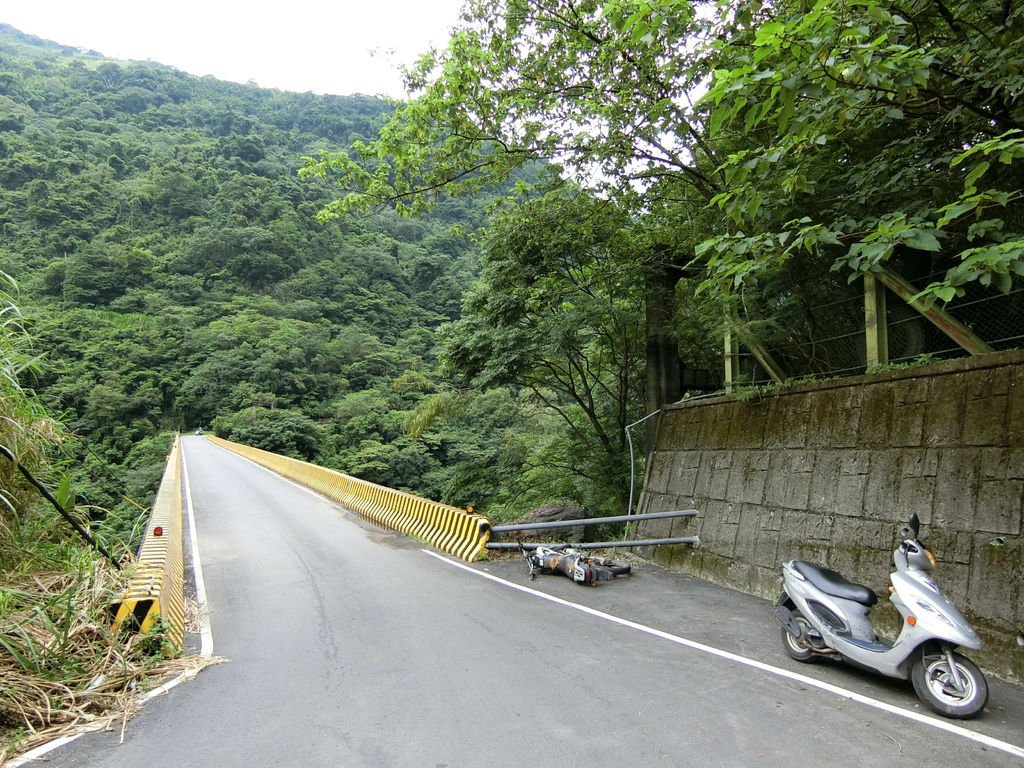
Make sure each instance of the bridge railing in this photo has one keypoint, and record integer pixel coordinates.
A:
(155, 590)
(450, 529)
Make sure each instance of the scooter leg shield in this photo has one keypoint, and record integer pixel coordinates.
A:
(857, 617)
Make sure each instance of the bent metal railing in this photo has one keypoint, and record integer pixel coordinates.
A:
(450, 529)
(156, 585)
(573, 523)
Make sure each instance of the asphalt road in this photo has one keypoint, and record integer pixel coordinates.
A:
(349, 646)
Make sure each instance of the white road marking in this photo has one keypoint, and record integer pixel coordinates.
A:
(39, 751)
(943, 725)
(205, 629)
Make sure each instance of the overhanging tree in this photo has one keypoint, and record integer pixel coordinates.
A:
(558, 312)
(744, 138)
(868, 130)
(568, 83)
(576, 84)
(848, 130)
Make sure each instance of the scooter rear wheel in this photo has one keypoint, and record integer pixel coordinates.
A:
(795, 648)
(937, 687)
(616, 567)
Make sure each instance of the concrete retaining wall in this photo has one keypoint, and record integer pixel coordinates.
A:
(827, 471)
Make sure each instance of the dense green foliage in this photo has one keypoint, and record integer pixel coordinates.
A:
(186, 267)
(847, 130)
(756, 143)
(558, 313)
(873, 129)
(175, 275)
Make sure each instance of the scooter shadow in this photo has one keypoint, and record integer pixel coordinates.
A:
(864, 682)
(1000, 719)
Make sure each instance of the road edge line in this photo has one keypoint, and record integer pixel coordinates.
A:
(943, 725)
(205, 627)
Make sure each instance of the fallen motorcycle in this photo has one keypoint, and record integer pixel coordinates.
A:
(581, 568)
(824, 615)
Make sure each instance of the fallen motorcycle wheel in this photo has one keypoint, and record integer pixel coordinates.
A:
(616, 567)
(960, 695)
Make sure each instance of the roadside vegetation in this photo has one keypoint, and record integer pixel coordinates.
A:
(60, 664)
(178, 276)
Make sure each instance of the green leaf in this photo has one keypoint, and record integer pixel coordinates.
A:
(754, 205)
(767, 34)
(954, 211)
(924, 240)
(829, 237)
(976, 173)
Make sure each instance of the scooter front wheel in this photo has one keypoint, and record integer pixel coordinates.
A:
(960, 694)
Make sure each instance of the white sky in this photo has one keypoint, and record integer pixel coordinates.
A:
(297, 45)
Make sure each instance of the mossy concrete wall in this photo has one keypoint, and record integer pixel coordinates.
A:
(827, 472)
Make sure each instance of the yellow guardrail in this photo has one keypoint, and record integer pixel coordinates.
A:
(450, 529)
(156, 588)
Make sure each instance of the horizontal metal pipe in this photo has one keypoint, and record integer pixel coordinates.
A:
(597, 544)
(592, 521)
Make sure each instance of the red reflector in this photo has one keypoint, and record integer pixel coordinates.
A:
(158, 531)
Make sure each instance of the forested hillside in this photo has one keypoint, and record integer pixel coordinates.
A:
(172, 270)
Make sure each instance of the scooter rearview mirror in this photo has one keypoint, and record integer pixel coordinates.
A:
(915, 524)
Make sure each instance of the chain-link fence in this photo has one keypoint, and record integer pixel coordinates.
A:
(816, 328)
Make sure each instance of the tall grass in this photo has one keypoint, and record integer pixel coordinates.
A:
(26, 429)
(60, 665)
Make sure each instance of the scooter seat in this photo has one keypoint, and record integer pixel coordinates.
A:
(832, 583)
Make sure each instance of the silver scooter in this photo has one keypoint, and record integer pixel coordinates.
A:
(824, 615)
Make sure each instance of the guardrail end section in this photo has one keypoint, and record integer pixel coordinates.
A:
(477, 549)
(142, 616)
(153, 600)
